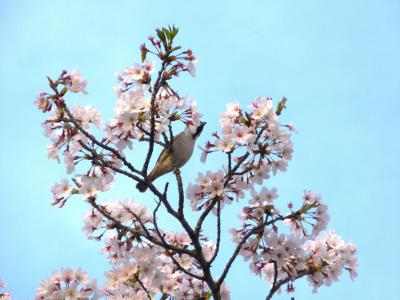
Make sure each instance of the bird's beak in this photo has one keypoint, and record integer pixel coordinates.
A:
(199, 129)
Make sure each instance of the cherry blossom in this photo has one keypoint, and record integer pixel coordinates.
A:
(77, 83)
(4, 295)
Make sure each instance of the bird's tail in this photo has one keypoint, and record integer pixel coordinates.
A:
(142, 187)
(160, 169)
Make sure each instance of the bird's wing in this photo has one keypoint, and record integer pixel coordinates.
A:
(163, 165)
(165, 162)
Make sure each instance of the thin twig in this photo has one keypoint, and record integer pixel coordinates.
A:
(156, 142)
(180, 192)
(171, 136)
(100, 161)
(227, 179)
(272, 290)
(156, 88)
(281, 282)
(143, 234)
(218, 233)
(254, 230)
(142, 286)
(166, 245)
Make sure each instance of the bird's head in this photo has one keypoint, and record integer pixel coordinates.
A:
(198, 130)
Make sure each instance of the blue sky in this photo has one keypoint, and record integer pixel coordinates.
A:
(337, 62)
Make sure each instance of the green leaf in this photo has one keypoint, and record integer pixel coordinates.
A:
(63, 91)
(176, 48)
(51, 82)
(144, 54)
(161, 36)
(306, 207)
(248, 116)
(281, 106)
(167, 33)
(174, 31)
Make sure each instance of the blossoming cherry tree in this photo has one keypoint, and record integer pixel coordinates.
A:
(147, 261)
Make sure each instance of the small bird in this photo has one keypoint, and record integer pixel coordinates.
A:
(182, 149)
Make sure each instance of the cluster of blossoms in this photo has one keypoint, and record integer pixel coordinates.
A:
(256, 145)
(138, 106)
(153, 268)
(73, 82)
(87, 185)
(328, 255)
(67, 284)
(257, 131)
(127, 212)
(138, 103)
(4, 295)
(282, 258)
(133, 115)
(313, 211)
(207, 187)
(68, 140)
(64, 136)
(137, 262)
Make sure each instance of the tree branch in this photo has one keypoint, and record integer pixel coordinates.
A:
(142, 286)
(255, 230)
(272, 290)
(164, 145)
(156, 88)
(227, 179)
(179, 183)
(161, 237)
(277, 285)
(101, 161)
(118, 224)
(218, 233)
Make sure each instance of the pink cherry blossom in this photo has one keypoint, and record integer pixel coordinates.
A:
(78, 83)
(134, 72)
(4, 295)
(42, 102)
(67, 284)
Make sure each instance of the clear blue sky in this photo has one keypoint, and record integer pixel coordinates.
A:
(337, 62)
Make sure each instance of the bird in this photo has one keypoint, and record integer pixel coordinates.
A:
(175, 158)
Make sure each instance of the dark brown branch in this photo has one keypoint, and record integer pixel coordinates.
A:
(166, 245)
(166, 141)
(97, 159)
(277, 285)
(164, 296)
(143, 234)
(255, 230)
(230, 164)
(272, 290)
(164, 145)
(180, 192)
(142, 286)
(171, 136)
(218, 233)
(156, 88)
(227, 179)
